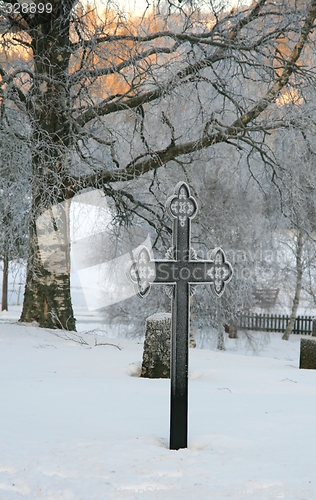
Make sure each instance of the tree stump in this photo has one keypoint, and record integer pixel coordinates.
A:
(314, 327)
(308, 354)
(156, 356)
(231, 329)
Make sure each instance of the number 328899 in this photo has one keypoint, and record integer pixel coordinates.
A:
(28, 8)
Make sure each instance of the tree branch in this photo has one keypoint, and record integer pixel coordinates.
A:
(8, 79)
(188, 37)
(110, 70)
(105, 108)
(218, 134)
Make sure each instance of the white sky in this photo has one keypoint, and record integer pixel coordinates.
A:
(138, 6)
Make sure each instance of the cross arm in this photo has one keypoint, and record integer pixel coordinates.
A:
(146, 271)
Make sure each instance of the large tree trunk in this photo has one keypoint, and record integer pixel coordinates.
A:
(47, 298)
(298, 288)
(47, 301)
(5, 273)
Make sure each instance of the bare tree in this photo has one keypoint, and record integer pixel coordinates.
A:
(108, 98)
(14, 204)
(295, 149)
(298, 287)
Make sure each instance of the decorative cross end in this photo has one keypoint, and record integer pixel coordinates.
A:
(142, 272)
(220, 272)
(182, 205)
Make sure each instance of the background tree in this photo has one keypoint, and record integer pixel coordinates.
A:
(295, 149)
(14, 198)
(108, 98)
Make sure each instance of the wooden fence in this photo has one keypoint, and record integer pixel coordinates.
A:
(275, 323)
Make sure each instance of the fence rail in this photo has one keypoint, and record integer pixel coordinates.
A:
(275, 323)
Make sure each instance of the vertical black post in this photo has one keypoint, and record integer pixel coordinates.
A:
(180, 341)
(179, 369)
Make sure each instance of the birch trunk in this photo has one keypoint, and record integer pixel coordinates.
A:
(298, 288)
(47, 298)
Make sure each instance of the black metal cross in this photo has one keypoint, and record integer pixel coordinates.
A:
(180, 272)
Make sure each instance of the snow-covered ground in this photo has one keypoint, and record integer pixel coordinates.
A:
(77, 422)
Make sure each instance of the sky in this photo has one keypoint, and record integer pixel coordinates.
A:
(138, 6)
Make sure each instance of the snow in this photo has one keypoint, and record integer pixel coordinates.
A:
(159, 316)
(77, 422)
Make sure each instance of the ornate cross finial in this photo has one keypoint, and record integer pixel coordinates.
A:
(182, 206)
(142, 272)
(220, 272)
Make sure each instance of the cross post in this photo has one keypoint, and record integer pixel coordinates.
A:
(180, 272)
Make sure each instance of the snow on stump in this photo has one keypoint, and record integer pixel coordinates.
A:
(308, 354)
(156, 356)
